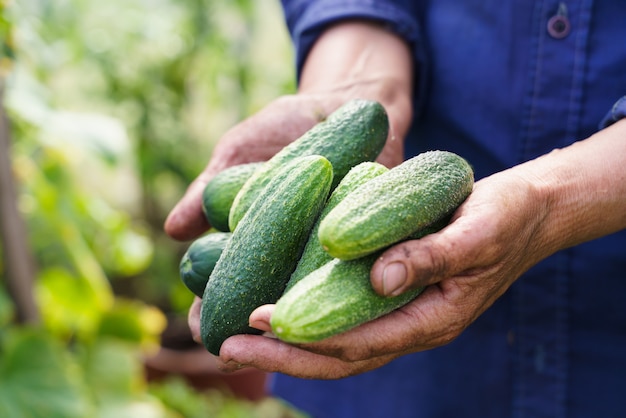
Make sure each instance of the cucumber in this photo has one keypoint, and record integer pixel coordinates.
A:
(392, 206)
(199, 260)
(264, 249)
(354, 133)
(314, 255)
(335, 298)
(220, 191)
(332, 299)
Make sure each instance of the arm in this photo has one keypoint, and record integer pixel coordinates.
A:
(564, 198)
(511, 221)
(358, 59)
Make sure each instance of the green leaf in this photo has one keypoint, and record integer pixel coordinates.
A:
(115, 377)
(39, 379)
(133, 321)
(112, 369)
(68, 303)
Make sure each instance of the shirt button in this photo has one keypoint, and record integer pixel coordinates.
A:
(559, 25)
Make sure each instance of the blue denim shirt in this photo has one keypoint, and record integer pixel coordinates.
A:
(502, 82)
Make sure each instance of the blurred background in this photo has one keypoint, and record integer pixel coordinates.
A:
(109, 110)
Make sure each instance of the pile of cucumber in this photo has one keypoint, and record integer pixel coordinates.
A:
(303, 229)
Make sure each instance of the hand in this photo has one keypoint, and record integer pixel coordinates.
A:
(489, 243)
(384, 74)
(511, 221)
(256, 139)
(264, 134)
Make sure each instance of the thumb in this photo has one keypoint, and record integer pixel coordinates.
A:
(422, 262)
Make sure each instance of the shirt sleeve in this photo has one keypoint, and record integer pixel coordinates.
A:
(306, 19)
(617, 112)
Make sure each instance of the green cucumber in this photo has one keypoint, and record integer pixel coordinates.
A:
(336, 297)
(314, 255)
(354, 133)
(332, 299)
(263, 251)
(199, 260)
(392, 206)
(220, 191)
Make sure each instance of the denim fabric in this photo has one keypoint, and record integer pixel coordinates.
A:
(502, 82)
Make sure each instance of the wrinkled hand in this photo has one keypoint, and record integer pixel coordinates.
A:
(261, 136)
(511, 221)
(489, 243)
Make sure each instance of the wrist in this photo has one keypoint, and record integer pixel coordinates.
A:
(362, 59)
(351, 53)
(582, 189)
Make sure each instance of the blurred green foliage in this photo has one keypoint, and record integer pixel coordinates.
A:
(115, 107)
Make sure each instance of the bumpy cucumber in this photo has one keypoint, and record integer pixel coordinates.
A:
(335, 298)
(199, 260)
(392, 206)
(264, 249)
(220, 191)
(332, 299)
(354, 133)
(314, 255)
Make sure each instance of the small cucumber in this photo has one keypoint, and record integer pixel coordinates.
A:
(220, 191)
(354, 133)
(335, 298)
(332, 299)
(314, 255)
(199, 260)
(392, 206)
(264, 249)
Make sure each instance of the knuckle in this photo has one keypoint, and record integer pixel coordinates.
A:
(357, 351)
(436, 260)
(424, 260)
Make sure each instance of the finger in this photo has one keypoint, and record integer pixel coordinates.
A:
(395, 333)
(186, 220)
(193, 319)
(430, 321)
(352, 346)
(272, 355)
(260, 318)
(428, 260)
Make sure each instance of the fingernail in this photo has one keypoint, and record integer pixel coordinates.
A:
(260, 325)
(230, 366)
(394, 277)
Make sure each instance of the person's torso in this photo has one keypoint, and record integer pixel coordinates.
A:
(506, 82)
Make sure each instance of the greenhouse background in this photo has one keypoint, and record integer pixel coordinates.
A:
(110, 109)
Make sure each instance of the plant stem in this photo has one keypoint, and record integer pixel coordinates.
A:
(18, 260)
